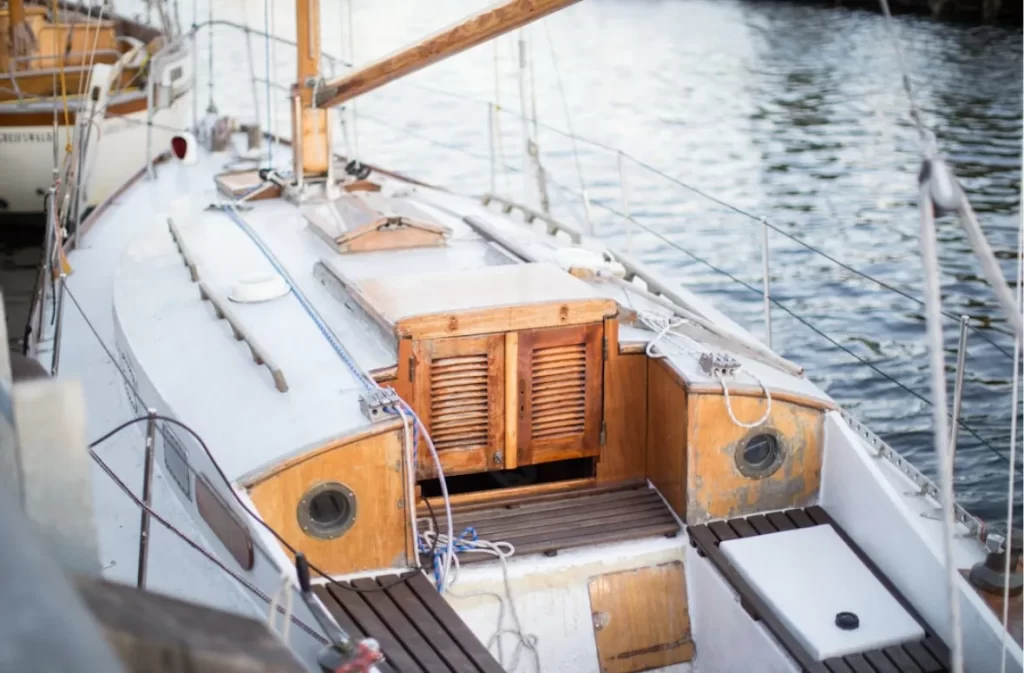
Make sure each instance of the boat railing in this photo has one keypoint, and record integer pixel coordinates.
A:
(621, 215)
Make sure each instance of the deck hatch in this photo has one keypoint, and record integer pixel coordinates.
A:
(927, 655)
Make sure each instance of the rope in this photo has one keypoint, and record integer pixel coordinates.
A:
(1010, 486)
(469, 542)
(728, 402)
(266, 63)
(664, 327)
(568, 123)
(283, 590)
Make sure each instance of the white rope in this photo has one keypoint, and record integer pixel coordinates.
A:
(284, 589)
(1014, 407)
(500, 550)
(664, 327)
(728, 403)
(937, 355)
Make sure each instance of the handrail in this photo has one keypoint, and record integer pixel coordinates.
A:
(259, 356)
(763, 221)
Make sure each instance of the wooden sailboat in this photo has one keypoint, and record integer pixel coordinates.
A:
(66, 66)
(598, 469)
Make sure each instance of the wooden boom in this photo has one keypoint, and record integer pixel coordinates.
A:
(477, 29)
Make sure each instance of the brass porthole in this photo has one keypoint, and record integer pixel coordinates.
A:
(760, 454)
(327, 510)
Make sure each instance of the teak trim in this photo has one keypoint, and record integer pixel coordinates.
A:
(554, 488)
(744, 390)
(258, 477)
(506, 319)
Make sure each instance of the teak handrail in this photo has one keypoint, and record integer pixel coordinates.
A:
(477, 29)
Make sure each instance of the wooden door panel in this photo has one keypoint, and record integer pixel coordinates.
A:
(458, 393)
(560, 375)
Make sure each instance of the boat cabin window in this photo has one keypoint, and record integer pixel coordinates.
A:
(760, 454)
(327, 510)
(231, 532)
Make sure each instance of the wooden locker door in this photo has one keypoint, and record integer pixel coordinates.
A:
(458, 392)
(560, 389)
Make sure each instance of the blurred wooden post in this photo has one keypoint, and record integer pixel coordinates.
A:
(45, 462)
(158, 634)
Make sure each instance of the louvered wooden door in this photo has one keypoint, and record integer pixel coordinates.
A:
(560, 391)
(458, 393)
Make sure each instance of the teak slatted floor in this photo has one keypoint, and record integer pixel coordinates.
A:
(417, 630)
(929, 655)
(552, 522)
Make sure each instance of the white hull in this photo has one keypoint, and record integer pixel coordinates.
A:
(27, 155)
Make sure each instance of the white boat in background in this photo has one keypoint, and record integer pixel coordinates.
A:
(497, 444)
(75, 77)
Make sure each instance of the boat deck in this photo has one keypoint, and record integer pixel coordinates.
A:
(929, 655)
(417, 630)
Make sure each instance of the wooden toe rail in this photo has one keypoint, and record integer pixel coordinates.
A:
(417, 630)
(926, 656)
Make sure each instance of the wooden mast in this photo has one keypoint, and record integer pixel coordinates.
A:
(477, 29)
(310, 125)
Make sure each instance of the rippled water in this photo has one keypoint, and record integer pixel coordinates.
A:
(789, 111)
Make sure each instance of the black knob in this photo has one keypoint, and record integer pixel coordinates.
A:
(847, 621)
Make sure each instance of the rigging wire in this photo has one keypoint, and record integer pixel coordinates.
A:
(568, 123)
(806, 323)
(195, 545)
(739, 211)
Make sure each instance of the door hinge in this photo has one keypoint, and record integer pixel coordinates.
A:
(412, 368)
(604, 347)
(603, 436)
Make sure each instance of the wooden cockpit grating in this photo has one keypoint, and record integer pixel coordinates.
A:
(417, 630)
(929, 655)
(553, 522)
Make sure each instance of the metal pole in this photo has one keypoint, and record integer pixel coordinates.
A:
(59, 329)
(47, 270)
(958, 389)
(765, 284)
(147, 497)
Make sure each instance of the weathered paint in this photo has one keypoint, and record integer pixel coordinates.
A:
(715, 487)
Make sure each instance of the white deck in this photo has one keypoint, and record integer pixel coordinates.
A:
(136, 290)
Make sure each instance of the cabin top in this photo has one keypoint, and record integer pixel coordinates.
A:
(274, 356)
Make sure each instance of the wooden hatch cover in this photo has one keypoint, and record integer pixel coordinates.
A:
(417, 630)
(929, 655)
(640, 618)
(364, 220)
